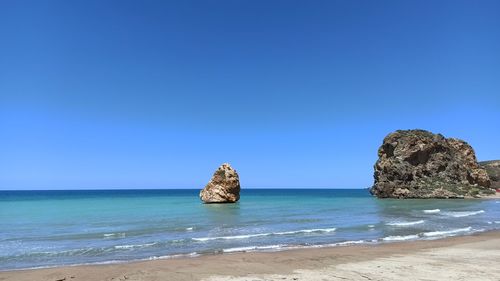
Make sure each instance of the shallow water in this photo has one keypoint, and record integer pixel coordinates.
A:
(48, 228)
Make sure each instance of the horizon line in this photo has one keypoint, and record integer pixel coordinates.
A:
(123, 189)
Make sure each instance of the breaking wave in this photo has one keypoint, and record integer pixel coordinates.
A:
(463, 214)
(114, 235)
(135, 246)
(246, 236)
(253, 248)
(405, 223)
(430, 234)
(447, 232)
(401, 238)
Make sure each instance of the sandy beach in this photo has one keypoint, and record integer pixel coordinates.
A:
(457, 258)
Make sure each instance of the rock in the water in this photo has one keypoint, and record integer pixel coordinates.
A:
(493, 170)
(224, 187)
(420, 164)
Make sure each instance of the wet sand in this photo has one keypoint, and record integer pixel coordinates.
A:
(475, 257)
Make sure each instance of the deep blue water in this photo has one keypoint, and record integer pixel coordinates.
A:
(50, 228)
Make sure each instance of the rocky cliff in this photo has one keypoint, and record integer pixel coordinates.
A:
(224, 187)
(420, 164)
(493, 170)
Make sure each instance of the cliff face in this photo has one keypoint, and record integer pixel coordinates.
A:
(420, 164)
(493, 170)
(224, 187)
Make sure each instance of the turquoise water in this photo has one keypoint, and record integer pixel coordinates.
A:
(50, 228)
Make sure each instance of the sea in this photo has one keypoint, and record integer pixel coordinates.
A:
(55, 228)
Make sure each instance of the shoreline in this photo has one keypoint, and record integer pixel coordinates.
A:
(280, 265)
(273, 249)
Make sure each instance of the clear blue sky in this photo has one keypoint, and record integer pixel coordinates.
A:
(157, 94)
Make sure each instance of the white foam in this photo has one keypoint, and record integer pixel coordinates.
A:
(189, 228)
(252, 248)
(447, 232)
(108, 235)
(134, 246)
(401, 238)
(246, 236)
(193, 254)
(347, 243)
(405, 223)
(202, 239)
(431, 211)
(463, 214)
(305, 231)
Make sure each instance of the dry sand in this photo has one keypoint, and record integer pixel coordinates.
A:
(474, 257)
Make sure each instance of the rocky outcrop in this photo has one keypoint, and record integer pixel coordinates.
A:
(224, 187)
(420, 164)
(493, 170)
